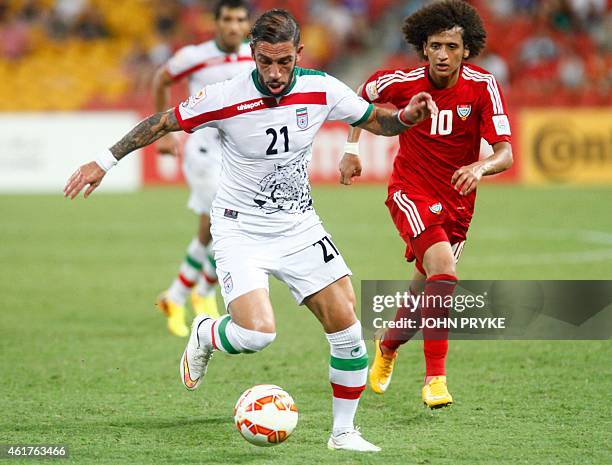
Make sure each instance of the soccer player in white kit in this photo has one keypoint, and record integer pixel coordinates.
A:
(263, 218)
(207, 63)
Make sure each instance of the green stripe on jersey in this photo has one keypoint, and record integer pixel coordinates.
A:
(308, 72)
(349, 364)
(224, 340)
(365, 116)
(193, 263)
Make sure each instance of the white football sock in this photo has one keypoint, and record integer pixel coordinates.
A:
(189, 272)
(347, 374)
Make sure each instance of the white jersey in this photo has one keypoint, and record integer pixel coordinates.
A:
(206, 64)
(266, 144)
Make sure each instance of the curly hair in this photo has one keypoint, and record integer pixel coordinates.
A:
(442, 16)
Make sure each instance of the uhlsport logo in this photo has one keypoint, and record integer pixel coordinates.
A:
(250, 106)
(436, 208)
(228, 284)
(301, 115)
(464, 111)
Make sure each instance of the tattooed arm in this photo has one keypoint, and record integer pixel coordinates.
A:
(145, 132)
(385, 122)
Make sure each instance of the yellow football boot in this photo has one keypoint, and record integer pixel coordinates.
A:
(382, 369)
(175, 315)
(435, 393)
(205, 305)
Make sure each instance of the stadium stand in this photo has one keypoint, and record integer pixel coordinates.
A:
(74, 54)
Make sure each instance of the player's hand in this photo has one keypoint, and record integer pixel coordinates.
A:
(350, 166)
(89, 174)
(420, 108)
(466, 178)
(168, 145)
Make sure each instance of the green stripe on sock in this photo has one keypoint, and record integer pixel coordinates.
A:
(193, 263)
(212, 261)
(224, 341)
(349, 364)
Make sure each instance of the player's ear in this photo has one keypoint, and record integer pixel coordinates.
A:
(466, 53)
(298, 53)
(425, 49)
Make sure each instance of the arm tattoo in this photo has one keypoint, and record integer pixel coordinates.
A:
(146, 132)
(389, 123)
(384, 122)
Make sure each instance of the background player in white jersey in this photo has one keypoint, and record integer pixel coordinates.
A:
(224, 57)
(263, 219)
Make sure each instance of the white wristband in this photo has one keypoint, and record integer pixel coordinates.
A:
(106, 160)
(352, 147)
(399, 117)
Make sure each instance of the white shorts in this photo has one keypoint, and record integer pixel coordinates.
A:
(307, 261)
(202, 169)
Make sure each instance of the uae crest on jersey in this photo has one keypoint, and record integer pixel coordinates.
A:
(436, 208)
(301, 114)
(464, 111)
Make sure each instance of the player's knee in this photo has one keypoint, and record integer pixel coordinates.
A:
(254, 341)
(442, 267)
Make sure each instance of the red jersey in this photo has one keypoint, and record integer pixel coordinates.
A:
(431, 151)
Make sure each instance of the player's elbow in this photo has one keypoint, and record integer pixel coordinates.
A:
(161, 79)
(509, 158)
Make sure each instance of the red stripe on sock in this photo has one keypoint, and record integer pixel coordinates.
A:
(441, 277)
(212, 332)
(185, 281)
(345, 392)
(210, 280)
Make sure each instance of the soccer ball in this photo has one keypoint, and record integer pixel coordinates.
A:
(265, 415)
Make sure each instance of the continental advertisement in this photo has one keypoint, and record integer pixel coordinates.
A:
(566, 146)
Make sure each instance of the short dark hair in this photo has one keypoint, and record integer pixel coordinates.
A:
(275, 26)
(231, 4)
(442, 16)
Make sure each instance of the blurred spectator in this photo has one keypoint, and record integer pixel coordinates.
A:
(15, 39)
(496, 65)
(538, 48)
(571, 70)
(68, 11)
(90, 24)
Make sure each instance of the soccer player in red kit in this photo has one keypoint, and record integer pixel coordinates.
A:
(436, 171)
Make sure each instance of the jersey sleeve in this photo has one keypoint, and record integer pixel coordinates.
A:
(494, 122)
(204, 109)
(183, 62)
(384, 86)
(345, 105)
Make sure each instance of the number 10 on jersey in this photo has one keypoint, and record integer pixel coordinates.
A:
(442, 123)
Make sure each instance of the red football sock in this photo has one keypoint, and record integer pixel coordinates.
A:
(435, 340)
(395, 337)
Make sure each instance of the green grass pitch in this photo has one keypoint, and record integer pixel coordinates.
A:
(85, 359)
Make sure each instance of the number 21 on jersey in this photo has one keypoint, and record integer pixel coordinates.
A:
(442, 124)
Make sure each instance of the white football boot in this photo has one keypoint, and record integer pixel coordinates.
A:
(196, 356)
(351, 440)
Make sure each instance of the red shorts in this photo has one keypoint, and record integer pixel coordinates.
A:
(412, 214)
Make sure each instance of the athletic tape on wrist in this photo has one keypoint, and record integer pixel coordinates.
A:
(106, 160)
(352, 147)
